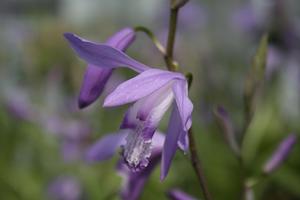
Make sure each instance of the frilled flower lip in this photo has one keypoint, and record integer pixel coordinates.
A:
(108, 145)
(134, 182)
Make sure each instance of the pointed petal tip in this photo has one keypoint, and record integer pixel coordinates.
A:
(83, 104)
(162, 177)
(106, 103)
(163, 170)
(68, 35)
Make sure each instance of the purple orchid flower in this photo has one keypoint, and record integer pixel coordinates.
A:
(96, 77)
(153, 92)
(176, 194)
(134, 182)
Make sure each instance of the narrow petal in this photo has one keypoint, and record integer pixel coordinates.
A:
(96, 77)
(140, 86)
(93, 84)
(184, 104)
(174, 130)
(102, 55)
(122, 39)
(106, 146)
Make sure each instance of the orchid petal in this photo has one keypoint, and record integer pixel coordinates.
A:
(102, 55)
(174, 130)
(96, 77)
(122, 39)
(105, 148)
(92, 86)
(184, 104)
(140, 86)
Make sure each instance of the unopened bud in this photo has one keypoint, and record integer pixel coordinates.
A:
(280, 154)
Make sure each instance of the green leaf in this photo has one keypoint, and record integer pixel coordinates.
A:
(255, 78)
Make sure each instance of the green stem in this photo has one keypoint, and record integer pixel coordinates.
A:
(171, 40)
(154, 39)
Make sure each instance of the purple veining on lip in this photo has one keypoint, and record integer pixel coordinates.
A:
(134, 182)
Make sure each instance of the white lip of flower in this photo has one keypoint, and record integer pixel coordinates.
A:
(137, 150)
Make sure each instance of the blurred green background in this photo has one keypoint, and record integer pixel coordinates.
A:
(43, 134)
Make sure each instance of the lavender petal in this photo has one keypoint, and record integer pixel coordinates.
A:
(140, 86)
(102, 55)
(174, 130)
(185, 106)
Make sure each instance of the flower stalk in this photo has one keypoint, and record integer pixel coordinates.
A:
(197, 165)
(173, 66)
(171, 37)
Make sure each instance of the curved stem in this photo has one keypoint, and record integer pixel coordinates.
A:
(154, 39)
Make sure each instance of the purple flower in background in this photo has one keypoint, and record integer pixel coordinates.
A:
(134, 182)
(18, 105)
(73, 135)
(152, 92)
(96, 77)
(227, 126)
(65, 188)
(280, 154)
(176, 194)
(245, 19)
(20, 109)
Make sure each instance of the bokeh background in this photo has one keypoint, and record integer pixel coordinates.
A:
(43, 135)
